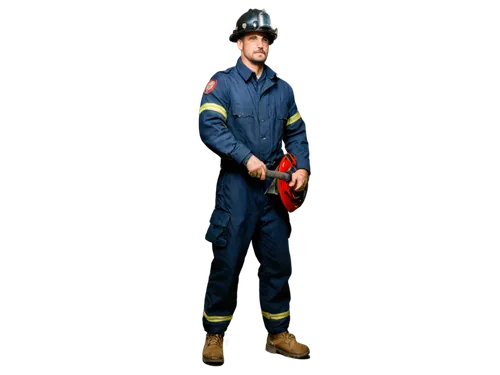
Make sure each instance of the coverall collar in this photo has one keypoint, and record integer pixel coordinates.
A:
(246, 73)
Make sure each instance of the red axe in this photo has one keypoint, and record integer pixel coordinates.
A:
(282, 176)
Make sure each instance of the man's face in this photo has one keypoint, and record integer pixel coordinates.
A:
(254, 47)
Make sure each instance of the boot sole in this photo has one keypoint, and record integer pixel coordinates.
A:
(208, 361)
(274, 350)
(213, 365)
(213, 362)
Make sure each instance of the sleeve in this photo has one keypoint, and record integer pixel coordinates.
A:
(212, 121)
(246, 159)
(295, 136)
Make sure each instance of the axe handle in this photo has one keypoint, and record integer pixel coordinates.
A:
(281, 175)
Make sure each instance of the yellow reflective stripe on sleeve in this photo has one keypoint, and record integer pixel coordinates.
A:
(214, 107)
(217, 319)
(275, 316)
(293, 119)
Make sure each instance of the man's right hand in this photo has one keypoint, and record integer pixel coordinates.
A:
(256, 168)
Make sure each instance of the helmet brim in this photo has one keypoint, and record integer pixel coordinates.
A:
(272, 34)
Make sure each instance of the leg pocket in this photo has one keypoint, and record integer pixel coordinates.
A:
(217, 231)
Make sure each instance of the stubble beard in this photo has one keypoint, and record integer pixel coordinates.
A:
(260, 61)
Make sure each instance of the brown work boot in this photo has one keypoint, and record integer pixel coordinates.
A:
(285, 343)
(212, 351)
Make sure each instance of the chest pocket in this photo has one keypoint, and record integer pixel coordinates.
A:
(242, 114)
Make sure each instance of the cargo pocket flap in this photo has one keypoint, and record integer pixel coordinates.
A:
(220, 218)
(216, 233)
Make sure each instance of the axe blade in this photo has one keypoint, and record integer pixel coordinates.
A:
(273, 188)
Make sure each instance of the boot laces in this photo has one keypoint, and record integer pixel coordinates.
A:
(214, 339)
(289, 337)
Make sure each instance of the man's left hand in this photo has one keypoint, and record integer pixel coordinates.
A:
(299, 180)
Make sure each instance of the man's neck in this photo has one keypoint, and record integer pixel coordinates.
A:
(256, 68)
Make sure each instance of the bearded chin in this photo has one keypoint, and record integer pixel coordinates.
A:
(258, 61)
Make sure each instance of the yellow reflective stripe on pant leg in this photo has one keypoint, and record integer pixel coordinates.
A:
(294, 118)
(217, 319)
(214, 107)
(275, 316)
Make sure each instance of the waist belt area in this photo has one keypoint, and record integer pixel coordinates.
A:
(272, 165)
(231, 165)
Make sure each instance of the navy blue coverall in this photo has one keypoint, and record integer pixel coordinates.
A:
(241, 116)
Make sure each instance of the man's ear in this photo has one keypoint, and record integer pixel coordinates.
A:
(239, 42)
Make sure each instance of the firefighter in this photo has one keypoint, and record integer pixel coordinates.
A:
(246, 114)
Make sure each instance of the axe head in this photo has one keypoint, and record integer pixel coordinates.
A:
(273, 188)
